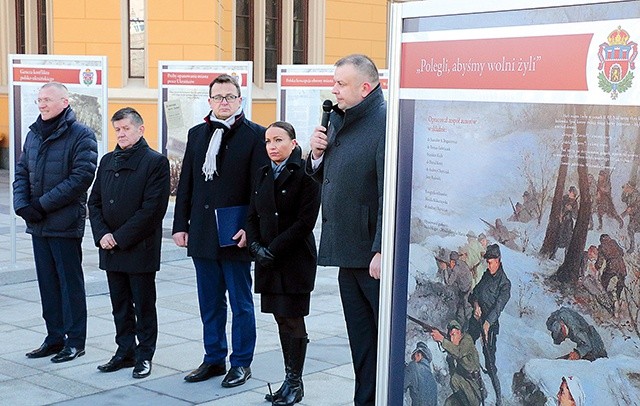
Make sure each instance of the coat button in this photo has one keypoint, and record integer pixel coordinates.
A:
(117, 174)
(284, 192)
(206, 206)
(276, 214)
(326, 181)
(111, 201)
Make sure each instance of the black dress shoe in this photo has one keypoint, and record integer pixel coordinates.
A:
(142, 369)
(68, 354)
(236, 377)
(205, 371)
(45, 350)
(116, 363)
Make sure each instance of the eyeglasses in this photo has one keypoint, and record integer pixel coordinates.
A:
(230, 98)
(46, 100)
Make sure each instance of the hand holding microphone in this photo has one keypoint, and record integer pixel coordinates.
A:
(319, 137)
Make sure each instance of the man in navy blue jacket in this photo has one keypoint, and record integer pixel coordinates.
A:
(52, 177)
(222, 156)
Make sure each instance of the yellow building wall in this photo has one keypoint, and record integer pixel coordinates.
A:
(356, 26)
(90, 27)
(187, 30)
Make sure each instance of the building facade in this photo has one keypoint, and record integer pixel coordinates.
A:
(136, 34)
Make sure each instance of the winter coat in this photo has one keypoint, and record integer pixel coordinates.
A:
(492, 294)
(588, 342)
(282, 215)
(352, 174)
(241, 153)
(464, 367)
(57, 173)
(419, 380)
(130, 201)
(612, 256)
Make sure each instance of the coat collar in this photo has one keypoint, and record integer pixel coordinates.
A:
(133, 161)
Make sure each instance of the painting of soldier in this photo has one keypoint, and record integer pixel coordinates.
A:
(570, 392)
(464, 366)
(614, 269)
(475, 248)
(568, 215)
(520, 214)
(631, 197)
(566, 323)
(603, 201)
(499, 232)
(418, 377)
(458, 276)
(590, 276)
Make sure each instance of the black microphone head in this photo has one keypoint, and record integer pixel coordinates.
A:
(327, 106)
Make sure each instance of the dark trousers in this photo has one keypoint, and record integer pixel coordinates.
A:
(214, 279)
(360, 295)
(61, 284)
(133, 300)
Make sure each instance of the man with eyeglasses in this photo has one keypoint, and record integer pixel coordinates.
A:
(221, 158)
(52, 177)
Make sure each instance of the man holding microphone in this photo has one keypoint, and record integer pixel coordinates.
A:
(347, 158)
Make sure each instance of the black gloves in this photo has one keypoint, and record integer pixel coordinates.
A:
(30, 214)
(262, 254)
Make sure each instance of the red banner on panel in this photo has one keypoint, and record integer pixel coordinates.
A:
(555, 62)
(71, 76)
(316, 81)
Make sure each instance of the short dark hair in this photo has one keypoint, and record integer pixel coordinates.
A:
(224, 78)
(130, 113)
(285, 126)
(363, 64)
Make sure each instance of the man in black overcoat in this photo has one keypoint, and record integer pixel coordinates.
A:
(126, 207)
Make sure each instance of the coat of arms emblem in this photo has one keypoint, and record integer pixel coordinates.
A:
(617, 60)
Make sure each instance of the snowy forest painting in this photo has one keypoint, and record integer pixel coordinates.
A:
(545, 183)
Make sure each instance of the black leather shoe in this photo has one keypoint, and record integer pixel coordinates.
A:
(236, 377)
(68, 354)
(205, 371)
(116, 363)
(45, 350)
(142, 369)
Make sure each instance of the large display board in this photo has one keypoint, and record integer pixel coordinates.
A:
(520, 124)
(84, 76)
(301, 91)
(182, 101)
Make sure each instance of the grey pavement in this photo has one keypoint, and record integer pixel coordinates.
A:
(328, 375)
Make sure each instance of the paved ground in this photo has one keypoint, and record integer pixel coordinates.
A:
(328, 373)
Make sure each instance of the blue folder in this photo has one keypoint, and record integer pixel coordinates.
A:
(229, 220)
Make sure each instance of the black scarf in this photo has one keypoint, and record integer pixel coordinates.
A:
(121, 155)
(48, 127)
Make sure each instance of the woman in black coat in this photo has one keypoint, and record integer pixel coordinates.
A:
(282, 214)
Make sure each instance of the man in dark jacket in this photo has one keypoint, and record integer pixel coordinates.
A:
(221, 158)
(489, 297)
(126, 207)
(52, 176)
(348, 160)
(611, 261)
(566, 323)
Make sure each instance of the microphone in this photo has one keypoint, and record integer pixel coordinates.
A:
(326, 110)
